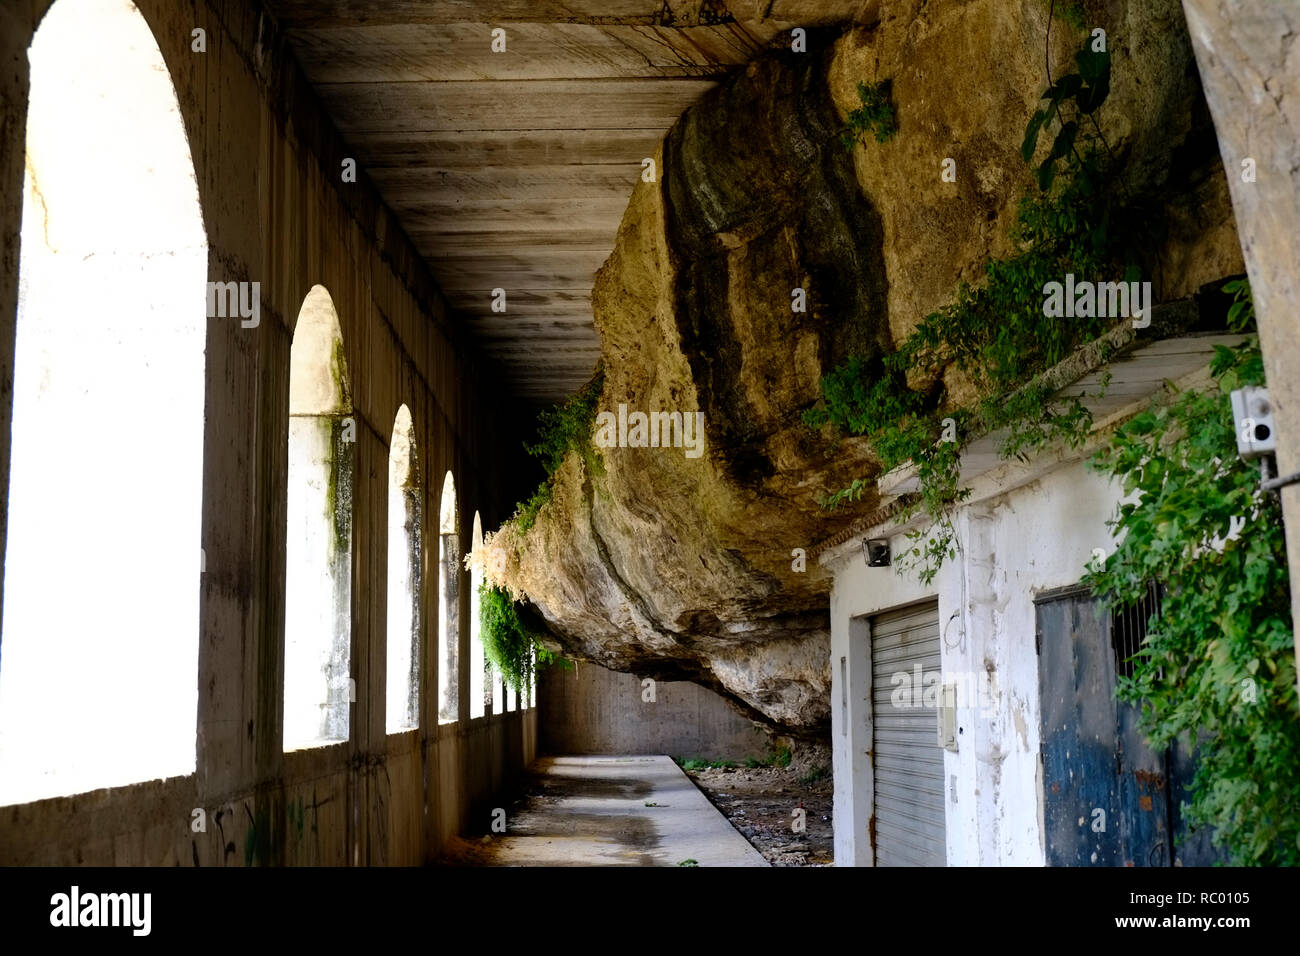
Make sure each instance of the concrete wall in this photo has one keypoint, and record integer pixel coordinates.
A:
(1014, 545)
(593, 710)
(267, 163)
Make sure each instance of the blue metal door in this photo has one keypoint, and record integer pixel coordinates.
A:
(1108, 799)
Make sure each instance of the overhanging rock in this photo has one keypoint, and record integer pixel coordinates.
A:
(681, 567)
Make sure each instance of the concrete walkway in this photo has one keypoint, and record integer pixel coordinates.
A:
(614, 811)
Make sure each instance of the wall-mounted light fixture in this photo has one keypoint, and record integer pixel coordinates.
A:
(876, 552)
(1252, 411)
(1252, 414)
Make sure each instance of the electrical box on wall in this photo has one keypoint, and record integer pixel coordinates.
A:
(948, 717)
(1252, 413)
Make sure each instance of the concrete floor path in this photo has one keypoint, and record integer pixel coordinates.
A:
(612, 811)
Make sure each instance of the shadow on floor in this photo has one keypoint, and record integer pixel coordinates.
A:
(605, 811)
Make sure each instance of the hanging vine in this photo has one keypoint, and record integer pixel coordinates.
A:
(1217, 667)
(995, 333)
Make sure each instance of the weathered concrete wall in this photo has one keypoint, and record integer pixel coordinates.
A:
(267, 163)
(1036, 537)
(593, 710)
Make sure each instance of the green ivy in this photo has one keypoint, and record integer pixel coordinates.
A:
(995, 332)
(563, 428)
(876, 115)
(511, 641)
(1241, 314)
(526, 512)
(1218, 663)
(567, 427)
(1083, 92)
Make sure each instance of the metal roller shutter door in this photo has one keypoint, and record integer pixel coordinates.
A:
(908, 761)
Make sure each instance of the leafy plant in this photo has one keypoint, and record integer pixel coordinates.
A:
(1083, 92)
(561, 429)
(1241, 314)
(815, 775)
(511, 641)
(876, 115)
(697, 764)
(567, 427)
(780, 757)
(995, 333)
(999, 337)
(1218, 663)
(526, 512)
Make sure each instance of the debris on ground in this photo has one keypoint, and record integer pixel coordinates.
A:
(762, 803)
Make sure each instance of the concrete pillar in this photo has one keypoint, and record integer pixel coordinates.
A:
(1245, 50)
(17, 24)
(851, 737)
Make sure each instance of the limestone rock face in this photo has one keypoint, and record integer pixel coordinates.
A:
(681, 567)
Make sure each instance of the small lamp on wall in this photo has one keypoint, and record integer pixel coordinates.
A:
(876, 552)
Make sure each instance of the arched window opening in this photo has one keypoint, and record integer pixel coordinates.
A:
(448, 606)
(100, 630)
(318, 575)
(479, 678)
(498, 691)
(405, 543)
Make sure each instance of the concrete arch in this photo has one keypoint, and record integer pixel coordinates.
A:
(110, 318)
(448, 604)
(479, 683)
(318, 369)
(318, 682)
(405, 587)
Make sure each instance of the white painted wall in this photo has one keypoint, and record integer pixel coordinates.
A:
(1014, 544)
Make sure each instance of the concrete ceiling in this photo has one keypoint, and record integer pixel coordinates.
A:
(512, 170)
